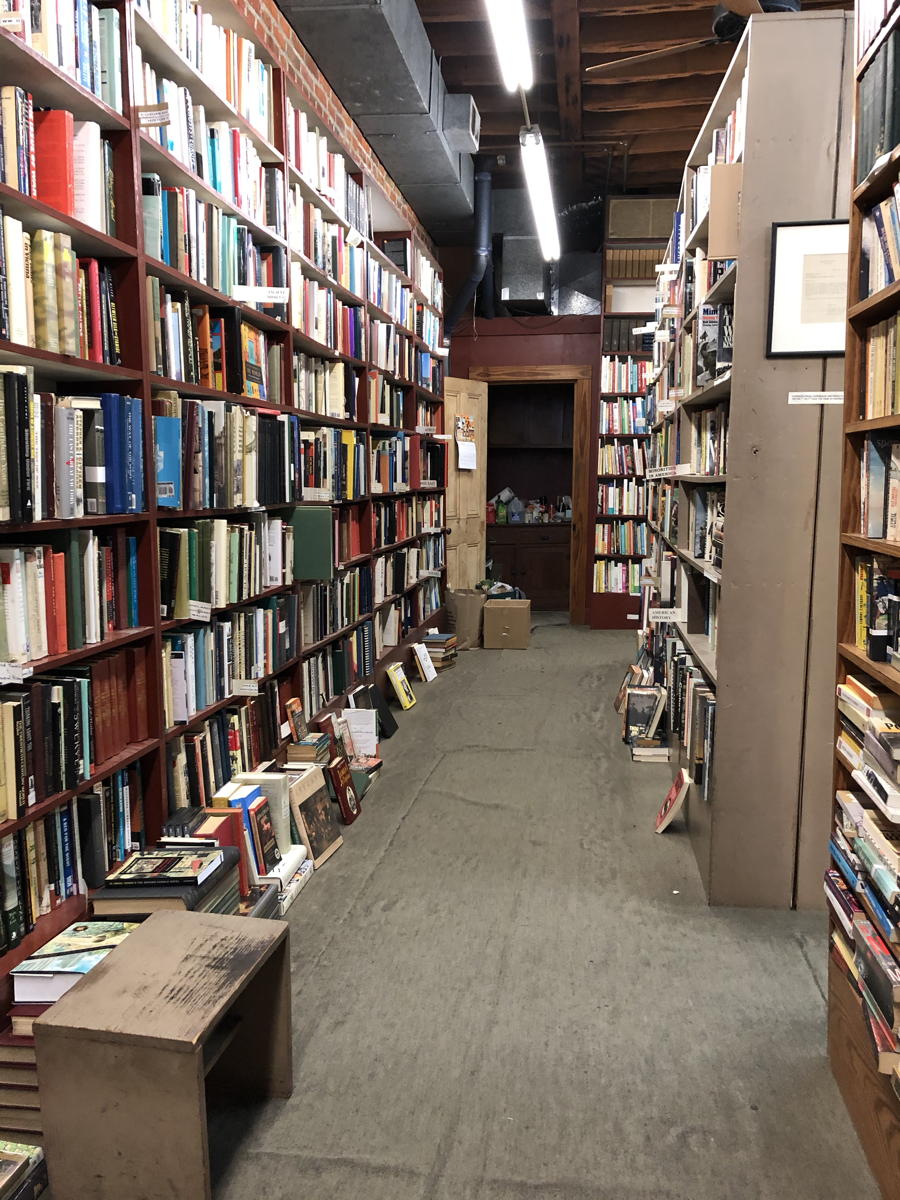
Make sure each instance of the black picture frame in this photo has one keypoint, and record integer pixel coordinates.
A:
(785, 334)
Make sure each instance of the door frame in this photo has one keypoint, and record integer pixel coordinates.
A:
(581, 375)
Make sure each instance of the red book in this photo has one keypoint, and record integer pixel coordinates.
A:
(100, 702)
(119, 683)
(138, 717)
(54, 134)
(58, 567)
(91, 269)
(345, 793)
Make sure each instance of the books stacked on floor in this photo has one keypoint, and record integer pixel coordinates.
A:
(23, 1169)
(314, 748)
(171, 878)
(442, 649)
(37, 984)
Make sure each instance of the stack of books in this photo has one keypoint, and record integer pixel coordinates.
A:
(171, 878)
(38, 983)
(441, 648)
(314, 748)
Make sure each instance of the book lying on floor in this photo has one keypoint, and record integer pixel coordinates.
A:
(674, 801)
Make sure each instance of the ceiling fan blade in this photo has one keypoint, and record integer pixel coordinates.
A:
(744, 8)
(611, 67)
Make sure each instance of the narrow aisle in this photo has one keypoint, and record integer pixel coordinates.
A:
(506, 986)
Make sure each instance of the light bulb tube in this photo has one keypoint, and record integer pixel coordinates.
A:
(540, 193)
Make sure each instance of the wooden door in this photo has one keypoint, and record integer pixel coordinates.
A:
(466, 497)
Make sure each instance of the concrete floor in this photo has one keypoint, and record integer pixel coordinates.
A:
(506, 987)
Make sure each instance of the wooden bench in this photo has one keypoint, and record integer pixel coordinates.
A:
(123, 1058)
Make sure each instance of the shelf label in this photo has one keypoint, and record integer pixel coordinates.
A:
(353, 237)
(260, 295)
(198, 610)
(13, 672)
(815, 397)
(13, 20)
(684, 469)
(151, 116)
(661, 615)
(246, 687)
(659, 472)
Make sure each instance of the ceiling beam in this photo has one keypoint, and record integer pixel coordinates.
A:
(497, 100)
(507, 125)
(461, 74)
(435, 12)
(706, 60)
(567, 56)
(666, 94)
(627, 8)
(610, 35)
(460, 39)
(626, 124)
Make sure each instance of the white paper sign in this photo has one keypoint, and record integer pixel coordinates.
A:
(260, 295)
(815, 397)
(467, 457)
(198, 610)
(660, 615)
(659, 472)
(152, 115)
(246, 687)
(13, 672)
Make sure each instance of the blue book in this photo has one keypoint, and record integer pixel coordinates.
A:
(113, 435)
(131, 552)
(83, 33)
(850, 876)
(882, 920)
(119, 792)
(65, 818)
(140, 483)
(164, 233)
(167, 457)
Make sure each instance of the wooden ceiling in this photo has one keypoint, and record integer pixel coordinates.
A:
(627, 131)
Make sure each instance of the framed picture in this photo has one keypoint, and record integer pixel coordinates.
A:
(808, 289)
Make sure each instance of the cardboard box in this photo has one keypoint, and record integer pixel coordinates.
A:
(507, 625)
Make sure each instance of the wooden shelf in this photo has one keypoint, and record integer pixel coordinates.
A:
(714, 574)
(313, 647)
(699, 234)
(135, 150)
(722, 291)
(168, 61)
(709, 393)
(703, 652)
(876, 307)
(50, 86)
(126, 757)
(883, 673)
(113, 641)
(63, 366)
(872, 424)
(86, 241)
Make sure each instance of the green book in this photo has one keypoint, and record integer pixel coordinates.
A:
(313, 543)
(234, 563)
(74, 592)
(193, 564)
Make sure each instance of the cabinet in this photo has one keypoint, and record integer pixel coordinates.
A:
(534, 558)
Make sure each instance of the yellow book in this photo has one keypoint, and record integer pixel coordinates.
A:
(43, 281)
(862, 603)
(400, 684)
(348, 442)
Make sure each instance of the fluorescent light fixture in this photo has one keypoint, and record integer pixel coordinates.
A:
(510, 30)
(537, 180)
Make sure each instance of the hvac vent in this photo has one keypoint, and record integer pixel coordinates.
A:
(639, 217)
(462, 123)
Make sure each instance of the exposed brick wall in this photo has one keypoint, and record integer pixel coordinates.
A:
(278, 39)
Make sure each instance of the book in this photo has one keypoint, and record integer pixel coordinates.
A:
(160, 867)
(43, 979)
(220, 892)
(343, 789)
(315, 816)
(400, 685)
(673, 802)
